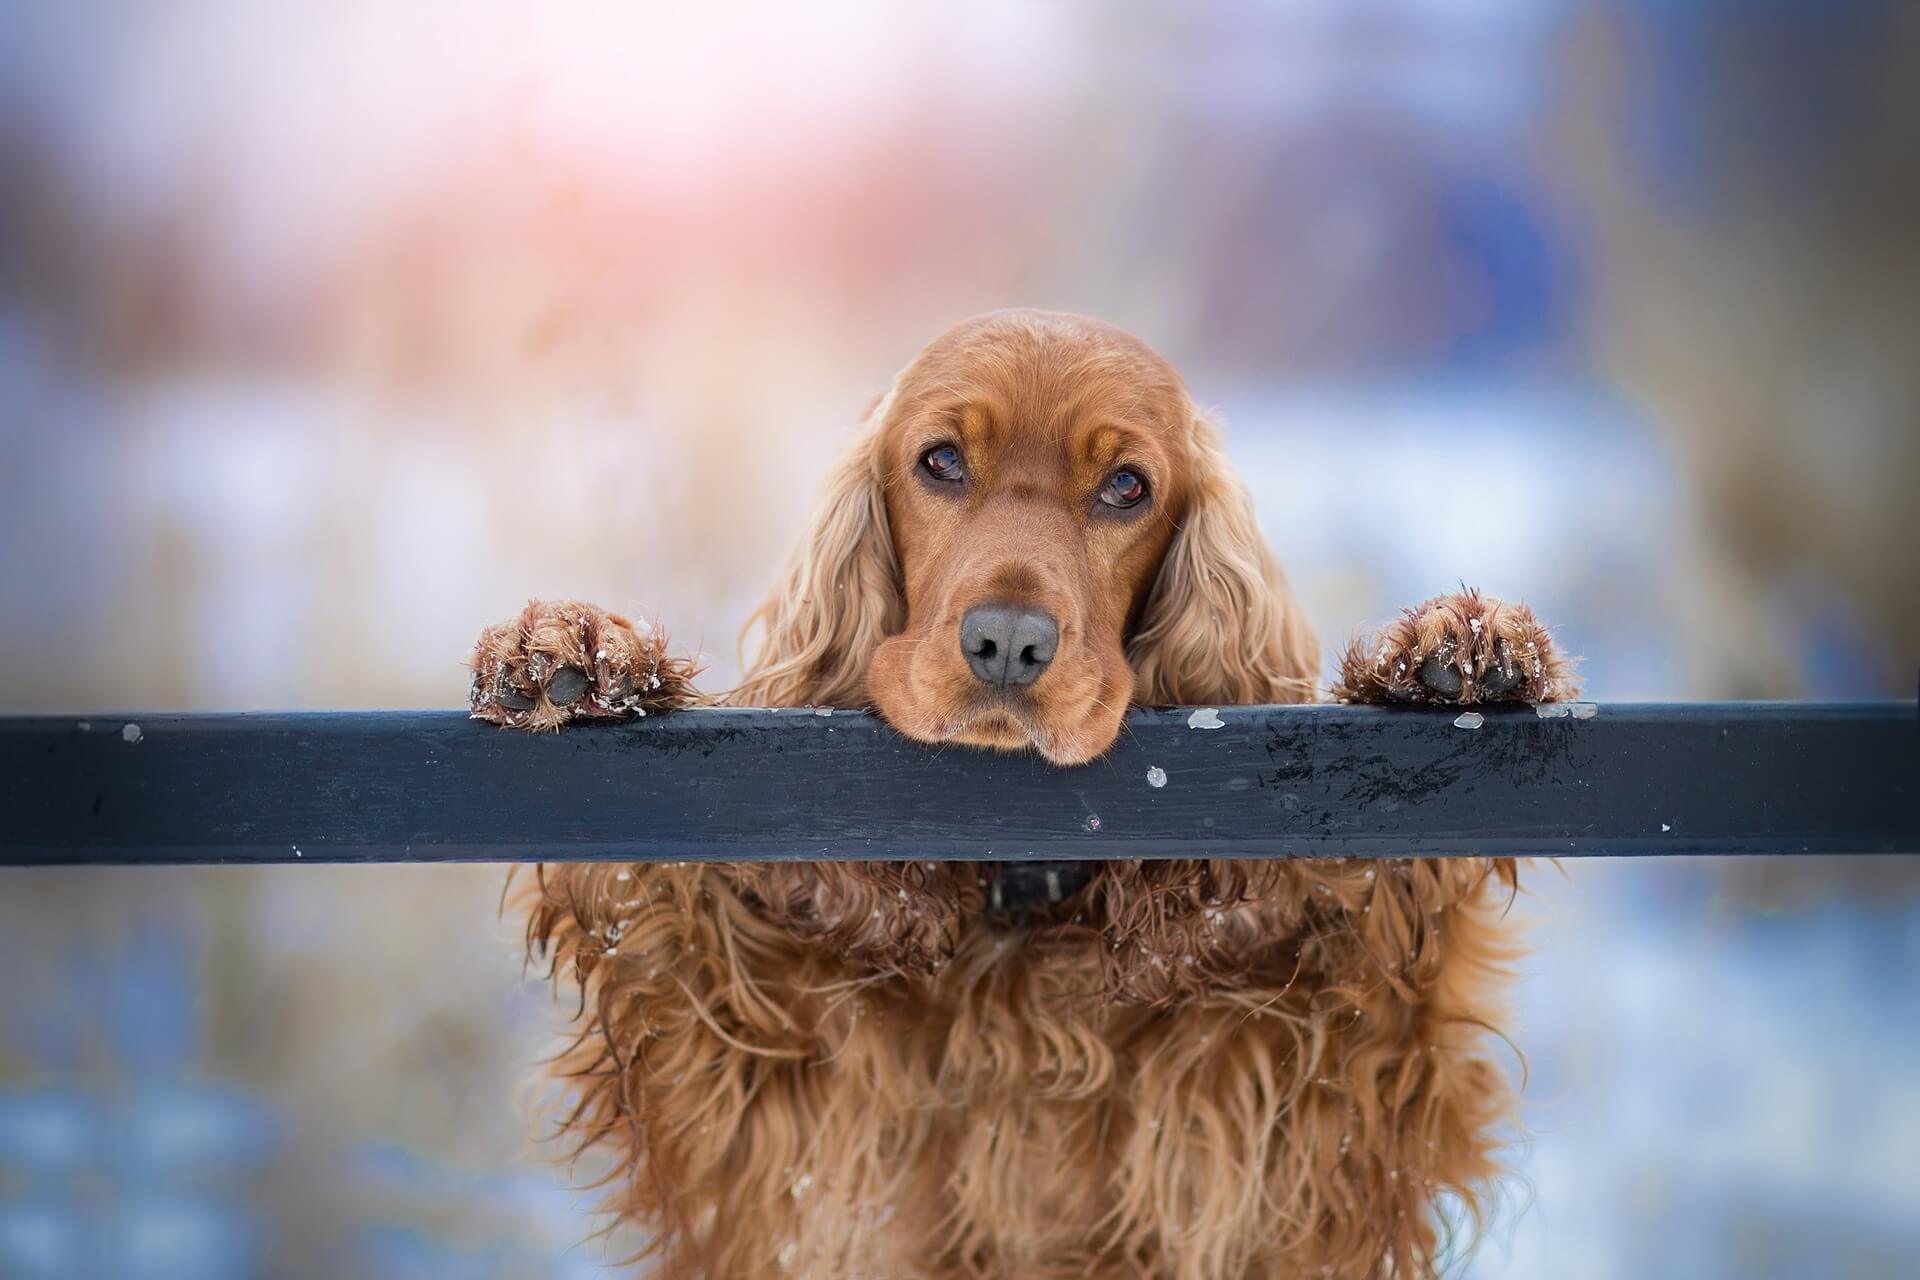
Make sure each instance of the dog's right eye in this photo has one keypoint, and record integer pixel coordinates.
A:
(943, 463)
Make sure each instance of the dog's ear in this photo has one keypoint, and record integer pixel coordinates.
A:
(1221, 624)
(839, 596)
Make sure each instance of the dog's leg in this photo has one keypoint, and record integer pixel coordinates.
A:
(560, 660)
(749, 1089)
(1436, 934)
(1458, 649)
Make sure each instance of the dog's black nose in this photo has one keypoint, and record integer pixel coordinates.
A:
(1007, 644)
(1018, 889)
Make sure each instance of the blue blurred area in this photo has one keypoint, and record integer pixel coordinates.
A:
(122, 1157)
(1714, 1089)
(123, 1162)
(397, 1246)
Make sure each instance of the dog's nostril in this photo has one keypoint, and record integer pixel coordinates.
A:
(1008, 644)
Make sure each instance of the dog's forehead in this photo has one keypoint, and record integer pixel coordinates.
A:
(1036, 352)
(1047, 383)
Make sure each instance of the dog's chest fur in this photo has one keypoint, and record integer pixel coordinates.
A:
(781, 1105)
(993, 1121)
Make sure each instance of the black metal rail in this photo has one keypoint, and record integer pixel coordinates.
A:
(1731, 778)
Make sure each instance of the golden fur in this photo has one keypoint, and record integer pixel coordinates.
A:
(1200, 1069)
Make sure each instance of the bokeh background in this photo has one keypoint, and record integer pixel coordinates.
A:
(331, 331)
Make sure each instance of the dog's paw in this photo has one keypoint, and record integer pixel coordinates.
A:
(561, 661)
(1457, 649)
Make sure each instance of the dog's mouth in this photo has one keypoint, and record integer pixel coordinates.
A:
(1028, 893)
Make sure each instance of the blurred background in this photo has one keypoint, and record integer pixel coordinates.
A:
(331, 332)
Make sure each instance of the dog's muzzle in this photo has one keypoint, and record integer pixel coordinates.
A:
(1018, 891)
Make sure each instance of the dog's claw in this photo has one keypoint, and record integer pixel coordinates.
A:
(509, 697)
(1501, 676)
(567, 685)
(1441, 675)
(608, 683)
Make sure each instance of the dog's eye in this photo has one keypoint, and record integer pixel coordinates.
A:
(1124, 489)
(943, 463)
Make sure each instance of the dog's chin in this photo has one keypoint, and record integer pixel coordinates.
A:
(938, 706)
(999, 729)
(997, 725)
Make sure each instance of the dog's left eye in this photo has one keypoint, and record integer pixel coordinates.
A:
(943, 463)
(1124, 489)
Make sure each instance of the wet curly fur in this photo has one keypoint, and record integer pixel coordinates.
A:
(1200, 1069)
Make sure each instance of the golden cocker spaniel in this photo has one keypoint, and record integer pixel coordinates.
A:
(1166, 1069)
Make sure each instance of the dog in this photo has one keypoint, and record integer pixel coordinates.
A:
(1186, 1070)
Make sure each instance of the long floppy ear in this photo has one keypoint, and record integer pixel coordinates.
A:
(1221, 624)
(838, 598)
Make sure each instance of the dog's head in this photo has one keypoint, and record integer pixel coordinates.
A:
(1036, 529)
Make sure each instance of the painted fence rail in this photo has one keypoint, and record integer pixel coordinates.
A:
(425, 786)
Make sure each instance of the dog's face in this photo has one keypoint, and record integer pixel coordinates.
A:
(1032, 476)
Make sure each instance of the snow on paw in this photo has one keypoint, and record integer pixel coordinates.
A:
(1458, 649)
(561, 661)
